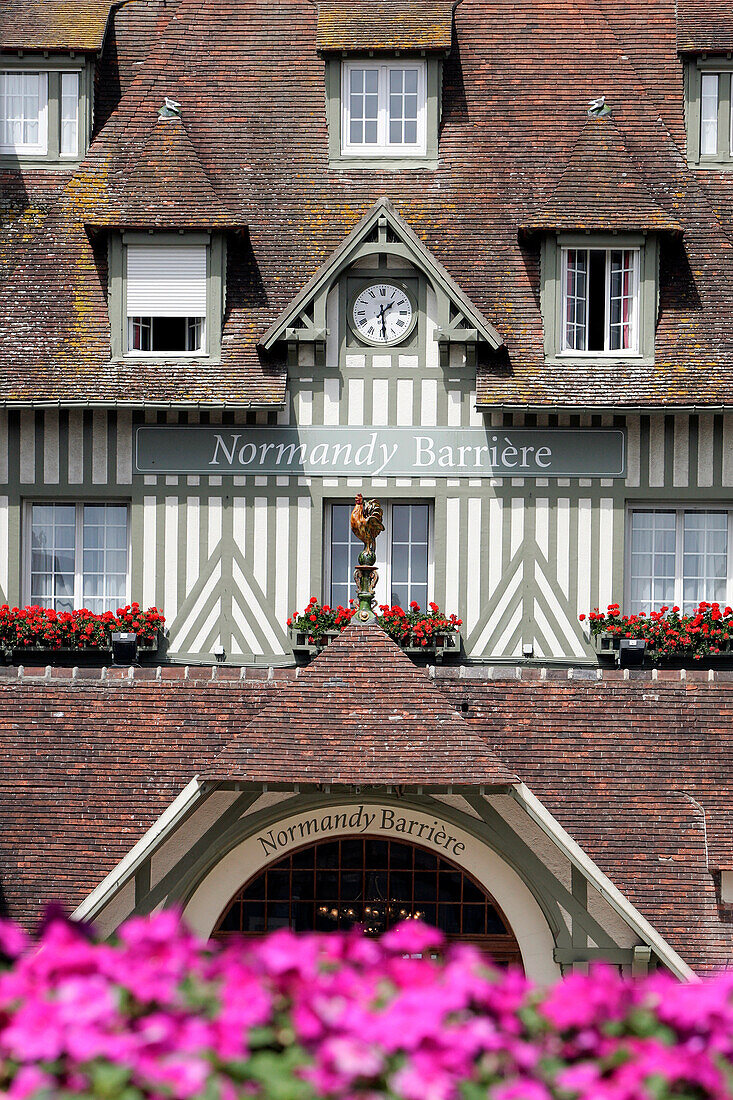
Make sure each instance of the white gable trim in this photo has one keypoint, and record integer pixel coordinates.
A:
(347, 252)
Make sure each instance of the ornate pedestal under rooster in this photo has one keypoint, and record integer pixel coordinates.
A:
(366, 523)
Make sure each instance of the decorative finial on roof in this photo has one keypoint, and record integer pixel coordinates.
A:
(598, 108)
(170, 109)
(366, 523)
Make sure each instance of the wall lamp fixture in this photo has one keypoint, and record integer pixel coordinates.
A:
(124, 648)
(631, 652)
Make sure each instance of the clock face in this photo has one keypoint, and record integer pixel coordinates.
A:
(382, 313)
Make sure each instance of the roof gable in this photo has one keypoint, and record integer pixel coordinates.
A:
(382, 231)
(361, 713)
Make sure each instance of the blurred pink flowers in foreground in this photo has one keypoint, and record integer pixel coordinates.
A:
(158, 1014)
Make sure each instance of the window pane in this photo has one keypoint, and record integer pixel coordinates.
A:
(139, 333)
(409, 530)
(402, 105)
(345, 548)
(363, 106)
(653, 540)
(69, 114)
(709, 114)
(52, 555)
(22, 106)
(576, 284)
(104, 556)
(704, 557)
(622, 306)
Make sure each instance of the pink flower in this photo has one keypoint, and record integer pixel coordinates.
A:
(412, 937)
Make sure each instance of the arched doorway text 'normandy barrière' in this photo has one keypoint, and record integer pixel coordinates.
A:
(374, 882)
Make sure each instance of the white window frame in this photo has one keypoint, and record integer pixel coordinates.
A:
(202, 351)
(39, 148)
(74, 154)
(607, 351)
(78, 599)
(678, 509)
(383, 547)
(382, 147)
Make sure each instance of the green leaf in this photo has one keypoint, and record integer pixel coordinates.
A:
(261, 1037)
(276, 1072)
(108, 1081)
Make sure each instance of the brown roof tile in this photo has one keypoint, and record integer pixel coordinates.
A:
(160, 184)
(637, 771)
(380, 25)
(53, 24)
(251, 83)
(601, 189)
(704, 25)
(360, 713)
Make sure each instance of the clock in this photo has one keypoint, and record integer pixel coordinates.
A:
(382, 313)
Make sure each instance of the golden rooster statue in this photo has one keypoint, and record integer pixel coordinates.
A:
(366, 523)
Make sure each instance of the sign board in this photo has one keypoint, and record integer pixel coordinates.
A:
(347, 451)
(366, 819)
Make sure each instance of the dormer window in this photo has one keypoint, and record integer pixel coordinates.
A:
(600, 300)
(599, 296)
(383, 108)
(166, 294)
(383, 113)
(709, 116)
(45, 112)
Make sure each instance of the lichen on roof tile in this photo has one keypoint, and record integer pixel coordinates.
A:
(53, 24)
(379, 25)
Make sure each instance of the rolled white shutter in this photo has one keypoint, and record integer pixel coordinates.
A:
(166, 280)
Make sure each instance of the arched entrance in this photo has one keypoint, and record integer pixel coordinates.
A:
(376, 882)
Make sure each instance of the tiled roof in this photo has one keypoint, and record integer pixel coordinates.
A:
(53, 24)
(380, 25)
(704, 25)
(638, 771)
(361, 713)
(251, 84)
(601, 189)
(161, 184)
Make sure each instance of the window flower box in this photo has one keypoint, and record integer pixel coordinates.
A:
(39, 632)
(419, 633)
(308, 645)
(705, 634)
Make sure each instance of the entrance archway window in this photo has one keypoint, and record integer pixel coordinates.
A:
(333, 885)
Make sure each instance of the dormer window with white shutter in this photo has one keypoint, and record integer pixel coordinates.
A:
(166, 296)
